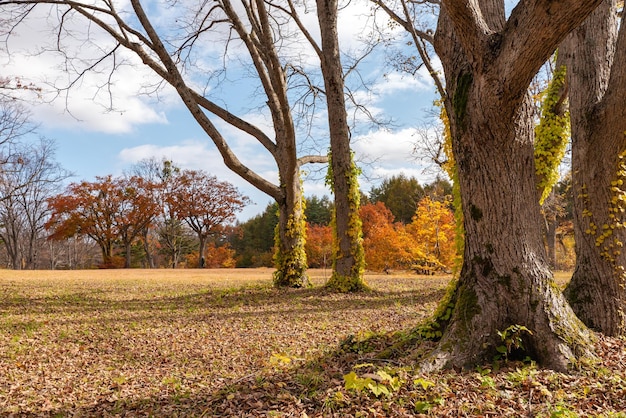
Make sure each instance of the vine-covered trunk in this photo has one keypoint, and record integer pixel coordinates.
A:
(290, 257)
(596, 291)
(596, 77)
(505, 280)
(348, 256)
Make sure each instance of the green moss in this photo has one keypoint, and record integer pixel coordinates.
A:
(476, 213)
(505, 280)
(467, 304)
(485, 264)
(461, 94)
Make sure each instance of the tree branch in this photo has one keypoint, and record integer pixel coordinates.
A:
(312, 159)
(470, 27)
(531, 34)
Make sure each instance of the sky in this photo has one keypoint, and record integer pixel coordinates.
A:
(92, 140)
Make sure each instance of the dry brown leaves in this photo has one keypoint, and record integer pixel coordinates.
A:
(224, 343)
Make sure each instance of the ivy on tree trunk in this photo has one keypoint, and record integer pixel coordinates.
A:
(505, 280)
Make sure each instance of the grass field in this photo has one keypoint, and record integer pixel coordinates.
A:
(225, 343)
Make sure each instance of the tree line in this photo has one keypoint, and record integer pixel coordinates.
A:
(489, 56)
(159, 216)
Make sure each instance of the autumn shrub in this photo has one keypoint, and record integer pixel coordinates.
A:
(113, 262)
(214, 257)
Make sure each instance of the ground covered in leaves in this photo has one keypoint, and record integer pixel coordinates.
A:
(225, 343)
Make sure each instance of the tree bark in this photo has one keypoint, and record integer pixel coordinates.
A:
(127, 255)
(348, 260)
(505, 279)
(596, 71)
(201, 249)
(290, 257)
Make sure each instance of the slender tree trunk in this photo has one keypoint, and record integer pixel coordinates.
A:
(107, 254)
(551, 224)
(147, 249)
(348, 262)
(201, 249)
(596, 291)
(127, 255)
(505, 279)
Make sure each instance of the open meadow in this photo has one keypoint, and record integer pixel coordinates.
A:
(225, 343)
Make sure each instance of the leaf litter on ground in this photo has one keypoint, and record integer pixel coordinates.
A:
(225, 343)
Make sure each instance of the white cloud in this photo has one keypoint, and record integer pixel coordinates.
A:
(387, 146)
(394, 82)
(101, 100)
(388, 153)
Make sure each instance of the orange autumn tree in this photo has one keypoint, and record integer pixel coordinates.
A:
(107, 210)
(319, 245)
(216, 256)
(433, 228)
(387, 244)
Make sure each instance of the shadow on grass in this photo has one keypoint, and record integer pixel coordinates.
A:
(211, 304)
(290, 387)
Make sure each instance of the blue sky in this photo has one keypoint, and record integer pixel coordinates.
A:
(94, 142)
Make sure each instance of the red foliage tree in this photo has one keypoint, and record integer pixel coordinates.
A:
(138, 206)
(205, 204)
(107, 210)
(86, 209)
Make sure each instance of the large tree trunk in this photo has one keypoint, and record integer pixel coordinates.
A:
(505, 279)
(348, 257)
(290, 257)
(596, 291)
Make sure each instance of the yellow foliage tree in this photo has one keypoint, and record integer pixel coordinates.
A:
(387, 244)
(433, 229)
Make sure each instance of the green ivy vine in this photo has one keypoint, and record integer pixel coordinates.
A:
(291, 265)
(451, 169)
(354, 281)
(551, 135)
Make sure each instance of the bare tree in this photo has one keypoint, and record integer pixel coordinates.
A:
(166, 228)
(26, 184)
(170, 52)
